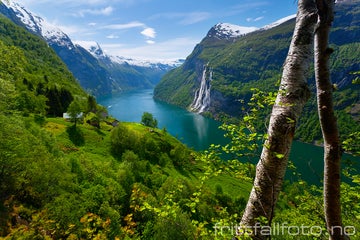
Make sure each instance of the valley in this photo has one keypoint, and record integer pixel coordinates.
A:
(78, 160)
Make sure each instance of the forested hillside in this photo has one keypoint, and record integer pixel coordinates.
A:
(255, 60)
(42, 81)
(90, 177)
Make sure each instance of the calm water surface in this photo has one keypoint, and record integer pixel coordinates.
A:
(199, 132)
(192, 129)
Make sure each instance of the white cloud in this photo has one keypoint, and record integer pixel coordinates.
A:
(185, 18)
(168, 50)
(106, 11)
(134, 24)
(244, 7)
(254, 19)
(68, 29)
(195, 17)
(103, 11)
(112, 36)
(149, 32)
(150, 42)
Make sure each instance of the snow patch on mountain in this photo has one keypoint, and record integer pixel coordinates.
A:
(38, 25)
(95, 49)
(278, 22)
(146, 63)
(228, 30)
(92, 47)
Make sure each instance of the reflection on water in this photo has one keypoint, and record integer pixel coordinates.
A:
(201, 126)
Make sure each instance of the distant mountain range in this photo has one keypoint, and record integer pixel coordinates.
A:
(97, 72)
(217, 77)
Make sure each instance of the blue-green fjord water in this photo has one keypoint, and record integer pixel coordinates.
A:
(198, 132)
(194, 130)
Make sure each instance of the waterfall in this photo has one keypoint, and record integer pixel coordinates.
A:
(201, 100)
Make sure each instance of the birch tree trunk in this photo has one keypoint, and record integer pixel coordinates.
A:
(328, 122)
(289, 103)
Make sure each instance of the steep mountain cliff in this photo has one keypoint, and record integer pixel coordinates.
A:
(98, 73)
(240, 61)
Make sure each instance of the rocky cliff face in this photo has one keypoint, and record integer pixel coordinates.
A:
(202, 98)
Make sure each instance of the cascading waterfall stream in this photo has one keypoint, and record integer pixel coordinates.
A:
(201, 100)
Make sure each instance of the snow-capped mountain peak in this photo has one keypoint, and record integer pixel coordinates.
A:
(39, 26)
(95, 49)
(228, 30)
(146, 63)
(92, 47)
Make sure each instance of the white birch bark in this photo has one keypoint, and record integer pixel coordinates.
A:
(290, 101)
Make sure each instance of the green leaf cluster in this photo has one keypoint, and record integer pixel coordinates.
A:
(148, 120)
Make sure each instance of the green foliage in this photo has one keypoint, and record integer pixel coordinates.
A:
(58, 101)
(174, 227)
(91, 104)
(76, 136)
(75, 111)
(247, 136)
(42, 82)
(300, 205)
(352, 143)
(7, 95)
(153, 145)
(89, 194)
(124, 138)
(40, 60)
(12, 62)
(148, 120)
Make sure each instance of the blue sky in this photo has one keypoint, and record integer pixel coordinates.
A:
(154, 29)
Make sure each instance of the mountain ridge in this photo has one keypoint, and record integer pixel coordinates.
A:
(99, 75)
(232, 31)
